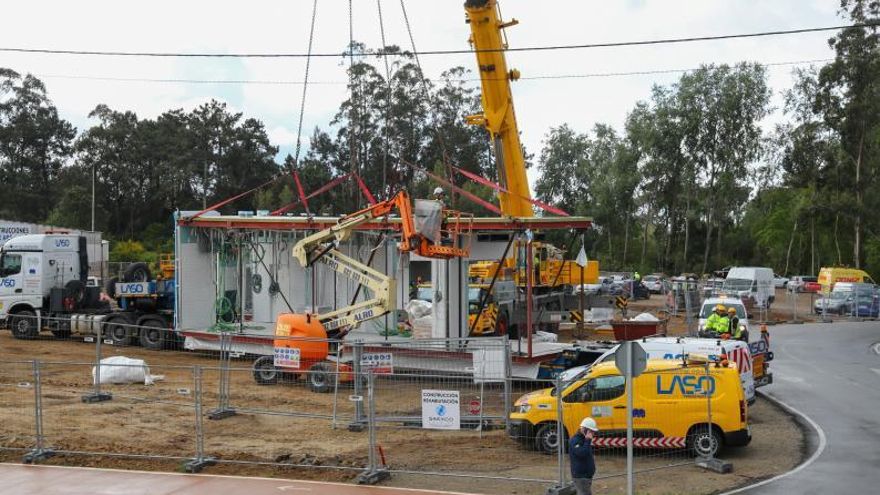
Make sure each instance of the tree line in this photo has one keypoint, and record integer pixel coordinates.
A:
(693, 181)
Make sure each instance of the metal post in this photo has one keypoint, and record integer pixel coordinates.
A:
(339, 351)
(224, 410)
(529, 288)
(200, 461)
(687, 309)
(562, 487)
(507, 385)
(359, 419)
(629, 418)
(373, 473)
(711, 462)
(97, 395)
(39, 452)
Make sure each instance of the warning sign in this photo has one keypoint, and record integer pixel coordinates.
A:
(286, 357)
(474, 407)
(381, 363)
(441, 409)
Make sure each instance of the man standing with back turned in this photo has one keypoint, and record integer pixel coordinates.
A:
(580, 450)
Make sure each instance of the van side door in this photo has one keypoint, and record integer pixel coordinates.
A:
(596, 398)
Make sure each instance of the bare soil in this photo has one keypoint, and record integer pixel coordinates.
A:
(288, 431)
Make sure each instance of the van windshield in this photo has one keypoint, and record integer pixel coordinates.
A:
(707, 310)
(737, 284)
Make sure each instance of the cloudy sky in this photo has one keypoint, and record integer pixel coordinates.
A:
(262, 26)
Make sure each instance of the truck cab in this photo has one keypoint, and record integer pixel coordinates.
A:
(31, 266)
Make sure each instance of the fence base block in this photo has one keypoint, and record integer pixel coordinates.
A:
(94, 398)
(561, 490)
(37, 455)
(217, 414)
(716, 465)
(373, 477)
(197, 465)
(357, 427)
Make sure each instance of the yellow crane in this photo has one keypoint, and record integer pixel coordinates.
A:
(499, 119)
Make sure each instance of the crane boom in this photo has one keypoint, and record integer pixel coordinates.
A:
(498, 115)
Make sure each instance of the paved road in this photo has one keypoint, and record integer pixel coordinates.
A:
(831, 373)
(54, 480)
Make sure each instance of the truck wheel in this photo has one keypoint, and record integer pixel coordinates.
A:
(703, 442)
(117, 331)
(546, 439)
(153, 335)
(23, 325)
(265, 372)
(110, 287)
(137, 272)
(319, 378)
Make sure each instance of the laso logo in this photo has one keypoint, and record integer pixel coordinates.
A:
(62, 243)
(8, 282)
(686, 385)
(131, 288)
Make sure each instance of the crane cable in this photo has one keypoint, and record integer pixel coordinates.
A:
(302, 104)
(443, 152)
(387, 103)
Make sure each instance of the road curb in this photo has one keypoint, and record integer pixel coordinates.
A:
(815, 438)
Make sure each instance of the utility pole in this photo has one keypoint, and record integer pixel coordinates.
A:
(93, 197)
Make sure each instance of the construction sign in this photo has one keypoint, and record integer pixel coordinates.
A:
(381, 363)
(575, 316)
(621, 302)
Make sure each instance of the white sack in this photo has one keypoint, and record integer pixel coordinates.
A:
(121, 369)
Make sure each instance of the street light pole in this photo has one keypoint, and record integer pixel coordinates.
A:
(93, 197)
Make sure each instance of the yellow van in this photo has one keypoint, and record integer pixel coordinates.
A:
(670, 409)
(828, 276)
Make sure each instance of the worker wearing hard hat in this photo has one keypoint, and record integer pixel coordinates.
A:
(718, 322)
(733, 327)
(580, 450)
(440, 195)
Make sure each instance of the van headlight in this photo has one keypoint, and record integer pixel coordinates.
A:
(522, 408)
(742, 328)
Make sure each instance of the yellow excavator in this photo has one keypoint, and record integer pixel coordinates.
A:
(301, 344)
(550, 270)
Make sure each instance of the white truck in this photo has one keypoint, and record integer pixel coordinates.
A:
(751, 283)
(43, 285)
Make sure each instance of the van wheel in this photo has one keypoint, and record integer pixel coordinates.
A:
(703, 442)
(265, 372)
(546, 439)
(23, 325)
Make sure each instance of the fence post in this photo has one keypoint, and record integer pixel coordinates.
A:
(224, 410)
(507, 384)
(711, 462)
(359, 419)
(97, 395)
(373, 473)
(199, 462)
(561, 487)
(39, 452)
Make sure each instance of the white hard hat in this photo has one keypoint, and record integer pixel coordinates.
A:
(438, 190)
(590, 424)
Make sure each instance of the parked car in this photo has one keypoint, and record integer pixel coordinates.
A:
(849, 298)
(654, 283)
(812, 286)
(798, 283)
(779, 281)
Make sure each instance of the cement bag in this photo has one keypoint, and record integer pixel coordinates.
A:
(423, 327)
(541, 336)
(418, 308)
(120, 369)
(645, 317)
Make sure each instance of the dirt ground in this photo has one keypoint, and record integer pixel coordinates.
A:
(292, 433)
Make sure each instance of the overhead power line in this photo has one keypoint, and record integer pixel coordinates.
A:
(270, 82)
(615, 44)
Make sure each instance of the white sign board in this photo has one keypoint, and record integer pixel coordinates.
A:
(286, 357)
(441, 409)
(639, 358)
(381, 363)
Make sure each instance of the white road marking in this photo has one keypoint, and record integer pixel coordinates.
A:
(287, 488)
(821, 448)
(875, 370)
(876, 348)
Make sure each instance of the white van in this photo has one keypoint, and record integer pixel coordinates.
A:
(752, 282)
(677, 347)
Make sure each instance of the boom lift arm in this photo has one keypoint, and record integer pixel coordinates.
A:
(498, 116)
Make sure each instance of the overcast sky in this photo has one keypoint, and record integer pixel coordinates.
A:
(261, 26)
